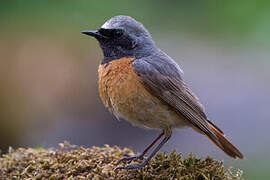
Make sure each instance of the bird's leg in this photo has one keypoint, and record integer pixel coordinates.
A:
(141, 155)
(168, 134)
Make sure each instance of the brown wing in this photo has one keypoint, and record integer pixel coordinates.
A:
(161, 76)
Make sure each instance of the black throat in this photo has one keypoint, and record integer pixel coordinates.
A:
(125, 47)
(114, 53)
(106, 60)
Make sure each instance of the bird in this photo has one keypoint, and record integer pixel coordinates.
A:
(141, 84)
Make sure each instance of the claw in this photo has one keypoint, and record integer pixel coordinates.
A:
(127, 155)
(129, 158)
(135, 158)
(135, 167)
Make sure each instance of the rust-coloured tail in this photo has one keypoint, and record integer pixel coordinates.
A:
(223, 143)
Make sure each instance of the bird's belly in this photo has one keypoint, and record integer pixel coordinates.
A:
(125, 96)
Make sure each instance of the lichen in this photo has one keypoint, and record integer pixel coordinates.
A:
(97, 163)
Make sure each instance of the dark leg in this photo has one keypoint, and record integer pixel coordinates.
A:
(168, 134)
(141, 155)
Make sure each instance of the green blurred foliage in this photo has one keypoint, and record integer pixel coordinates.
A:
(246, 20)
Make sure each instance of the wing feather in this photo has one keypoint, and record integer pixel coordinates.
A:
(162, 78)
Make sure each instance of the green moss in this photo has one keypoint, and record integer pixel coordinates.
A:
(76, 162)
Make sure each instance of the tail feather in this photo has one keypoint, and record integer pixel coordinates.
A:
(223, 143)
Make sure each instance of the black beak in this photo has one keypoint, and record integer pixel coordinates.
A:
(92, 33)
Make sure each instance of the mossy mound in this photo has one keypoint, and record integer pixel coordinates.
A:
(97, 163)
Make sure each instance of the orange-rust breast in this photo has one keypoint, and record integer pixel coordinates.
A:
(114, 78)
(126, 97)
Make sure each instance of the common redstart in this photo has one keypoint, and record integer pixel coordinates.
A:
(140, 83)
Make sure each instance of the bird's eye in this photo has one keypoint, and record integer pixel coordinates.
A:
(118, 32)
(110, 33)
(105, 32)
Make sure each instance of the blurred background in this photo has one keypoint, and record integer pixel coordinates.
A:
(48, 74)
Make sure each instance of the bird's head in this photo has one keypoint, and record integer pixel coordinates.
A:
(123, 36)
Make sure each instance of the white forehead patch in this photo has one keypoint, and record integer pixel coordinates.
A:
(106, 25)
(110, 24)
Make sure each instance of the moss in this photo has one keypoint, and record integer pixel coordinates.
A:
(76, 162)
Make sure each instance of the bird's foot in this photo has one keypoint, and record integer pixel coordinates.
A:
(135, 167)
(129, 158)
